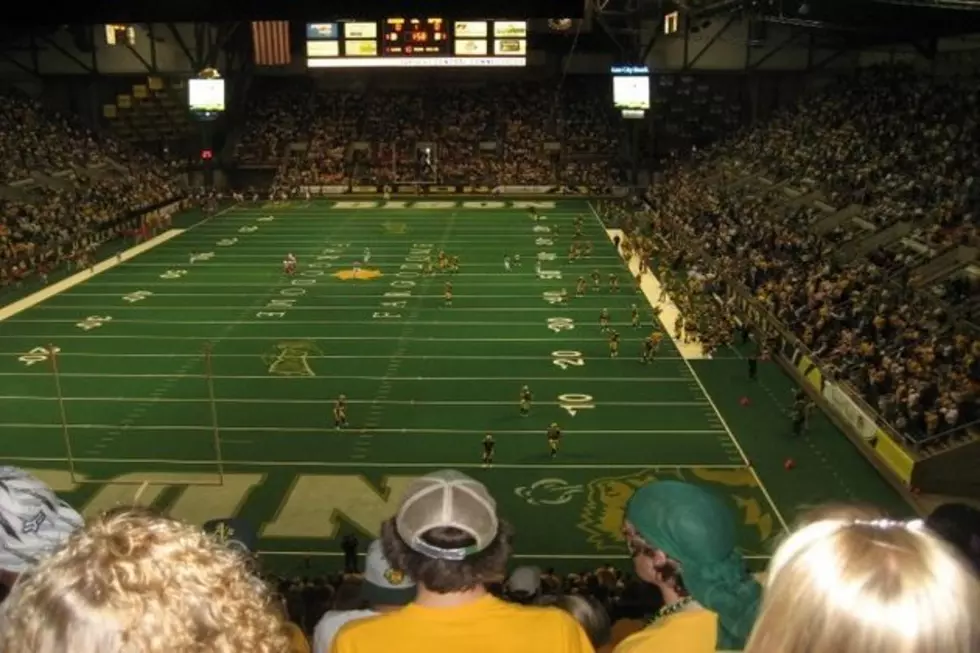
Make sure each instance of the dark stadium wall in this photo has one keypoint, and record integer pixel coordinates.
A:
(157, 49)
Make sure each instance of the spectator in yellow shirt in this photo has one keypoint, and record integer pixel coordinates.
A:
(682, 539)
(448, 538)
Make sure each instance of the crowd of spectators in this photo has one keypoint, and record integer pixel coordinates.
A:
(494, 134)
(64, 187)
(897, 144)
(132, 581)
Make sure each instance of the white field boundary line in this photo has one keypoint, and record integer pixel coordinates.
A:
(333, 309)
(326, 431)
(721, 419)
(197, 356)
(69, 282)
(275, 322)
(347, 464)
(412, 379)
(368, 402)
(367, 284)
(80, 277)
(266, 339)
(159, 295)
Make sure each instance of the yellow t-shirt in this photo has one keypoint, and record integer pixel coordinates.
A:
(694, 631)
(297, 640)
(487, 625)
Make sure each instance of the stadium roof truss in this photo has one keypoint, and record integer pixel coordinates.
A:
(142, 48)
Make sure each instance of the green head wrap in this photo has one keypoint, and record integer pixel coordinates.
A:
(693, 527)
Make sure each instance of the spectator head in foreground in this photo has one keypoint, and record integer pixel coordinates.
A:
(447, 536)
(382, 590)
(587, 611)
(959, 525)
(867, 586)
(524, 584)
(682, 539)
(34, 523)
(131, 581)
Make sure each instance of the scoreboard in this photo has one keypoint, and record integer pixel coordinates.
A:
(417, 43)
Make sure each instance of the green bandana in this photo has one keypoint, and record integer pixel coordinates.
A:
(694, 527)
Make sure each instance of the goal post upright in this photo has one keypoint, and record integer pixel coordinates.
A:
(215, 430)
(62, 413)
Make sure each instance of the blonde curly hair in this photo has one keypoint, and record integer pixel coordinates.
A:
(135, 582)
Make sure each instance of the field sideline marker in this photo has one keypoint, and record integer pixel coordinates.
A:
(721, 418)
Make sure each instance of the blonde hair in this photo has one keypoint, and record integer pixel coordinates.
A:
(850, 585)
(134, 582)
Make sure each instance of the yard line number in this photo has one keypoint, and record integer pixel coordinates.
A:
(573, 403)
(38, 355)
(559, 324)
(137, 296)
(93, 322)
(567, 358)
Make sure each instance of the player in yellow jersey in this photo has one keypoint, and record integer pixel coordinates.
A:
(650, 347)
(525, 401)
(613, 283)
(638, 282)
(454, 264)
(554, 439)
(635, 317)
(448, 294)
(340, 412)
(580, 287)
(588, 248)
(596, 278)
(443, 261)
(604, 320)
(489, 445)
(572, 252)
(613, 344)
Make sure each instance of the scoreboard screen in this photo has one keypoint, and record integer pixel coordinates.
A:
(417, 43)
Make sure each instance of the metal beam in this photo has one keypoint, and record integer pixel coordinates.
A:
(150, 68)
(92, 70)
(202, 34)
(822, 64)
(775, 50)
(27, 69)
(151, 35)
(714, 39)
(183, 45)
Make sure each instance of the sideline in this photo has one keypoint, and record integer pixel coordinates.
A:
(652, 290)
(78, 278)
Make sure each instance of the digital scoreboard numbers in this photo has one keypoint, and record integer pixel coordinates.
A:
(407, 42)
(413, 37)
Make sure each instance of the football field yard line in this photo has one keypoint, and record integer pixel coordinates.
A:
(197, 355)
(350, 464)
(320, 402)
(348, 307)
(311, 338)
(718, 414)
(451, 379)
(349, 432)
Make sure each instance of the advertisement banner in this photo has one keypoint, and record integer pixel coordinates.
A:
(850, 412)
(894, 456)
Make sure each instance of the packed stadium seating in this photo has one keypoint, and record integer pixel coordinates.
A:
(309, 135)
(62, 185)
(892, 143)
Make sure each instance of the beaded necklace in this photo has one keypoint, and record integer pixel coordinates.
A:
(672, 609)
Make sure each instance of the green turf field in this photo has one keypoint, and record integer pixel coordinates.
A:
(424, 383)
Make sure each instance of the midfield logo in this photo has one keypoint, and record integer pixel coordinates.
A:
(364, 274)
(292, 358)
